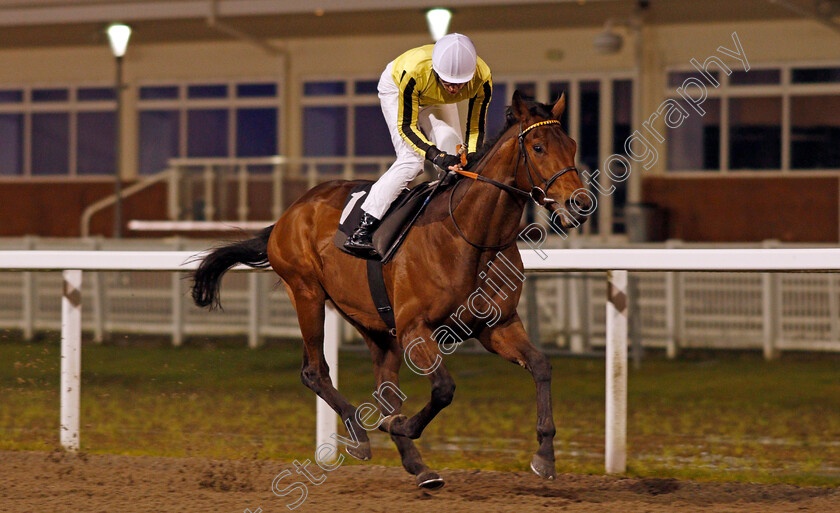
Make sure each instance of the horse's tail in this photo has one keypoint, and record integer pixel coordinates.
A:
(207, 278)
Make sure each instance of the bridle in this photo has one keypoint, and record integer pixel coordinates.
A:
(538, 195)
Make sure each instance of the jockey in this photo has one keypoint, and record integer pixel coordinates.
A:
(418, 91)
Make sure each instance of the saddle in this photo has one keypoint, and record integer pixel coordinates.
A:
(395, 224)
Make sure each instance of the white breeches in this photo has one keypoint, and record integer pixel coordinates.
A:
(440, 124)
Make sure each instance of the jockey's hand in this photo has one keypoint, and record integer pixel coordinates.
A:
(472, 159)
(442, 159)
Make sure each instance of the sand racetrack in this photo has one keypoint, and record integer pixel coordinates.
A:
(58, 482)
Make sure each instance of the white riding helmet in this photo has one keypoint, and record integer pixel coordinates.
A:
(454, 58)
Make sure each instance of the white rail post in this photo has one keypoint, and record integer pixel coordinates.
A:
(177, 299)
(771, 292)
(586, 312)
(561, 312)
(576, 322)
(71, 359)
(771, 314)
(254, 310)
(99, 301)
(326, 418)
(673, 308)
(28, 305)
(28, 297)
(833, 307)
(615, 458)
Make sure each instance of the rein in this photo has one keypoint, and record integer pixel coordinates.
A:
(537, 195)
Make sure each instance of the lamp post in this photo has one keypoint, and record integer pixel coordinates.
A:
(438, 20)
(118, 35)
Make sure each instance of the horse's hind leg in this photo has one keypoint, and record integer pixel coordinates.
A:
(386, 365)
(315, 373)
(510, 341)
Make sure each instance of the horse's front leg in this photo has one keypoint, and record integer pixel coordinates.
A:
(510, 341)
(422, 356)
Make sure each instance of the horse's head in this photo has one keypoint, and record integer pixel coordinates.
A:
(546, 164)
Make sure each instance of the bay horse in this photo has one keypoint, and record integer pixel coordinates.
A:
(428, 280)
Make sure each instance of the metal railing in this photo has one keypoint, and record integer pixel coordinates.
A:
(206, 186)
(219, 189)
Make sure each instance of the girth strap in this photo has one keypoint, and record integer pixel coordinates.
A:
(376, 283)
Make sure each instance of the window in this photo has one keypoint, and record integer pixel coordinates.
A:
(159, 93)
(11, 144)
(815, 132)
(207, 91)
(528, 90)
(343, 118)
(324, 88)
(622, 109)
(256, 132)
(92, 94)
(585, 99)
(57, 131)
(50, 95)
(325, 131)
(366, 87)
(11, 96)
(676, 78)
(207, 131)
(589, 106)
(555, 89)
(496, 109)
(755, 77)
(50, 143)
(268, 90)
(372, 137)
(755, 133)
(207, 121)
(159, 139)
(695, 145)
(773, 119)
(96, 143)
(325, 135)
(816, 75)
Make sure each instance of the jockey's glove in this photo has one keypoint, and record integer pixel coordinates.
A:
(441, 159)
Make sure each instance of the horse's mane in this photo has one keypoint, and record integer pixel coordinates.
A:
(534, 108)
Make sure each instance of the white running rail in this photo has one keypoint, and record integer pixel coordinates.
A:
(616, 262)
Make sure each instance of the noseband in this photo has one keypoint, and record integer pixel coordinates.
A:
(537, 194)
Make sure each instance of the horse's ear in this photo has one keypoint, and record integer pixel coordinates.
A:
(559, 106)
(520, 110)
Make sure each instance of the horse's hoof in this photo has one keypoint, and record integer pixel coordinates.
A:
(394, 422)
(361, 452)
(429, 481)
(542, 467)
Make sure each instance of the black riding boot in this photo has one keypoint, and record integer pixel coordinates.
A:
(363, 235)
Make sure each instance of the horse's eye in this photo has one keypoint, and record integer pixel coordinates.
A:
(538, 148)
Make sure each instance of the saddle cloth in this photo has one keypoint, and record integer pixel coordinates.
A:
(391, 231)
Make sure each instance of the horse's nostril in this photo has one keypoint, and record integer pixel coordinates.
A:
(577, 204)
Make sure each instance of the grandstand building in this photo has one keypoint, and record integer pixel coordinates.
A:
(244, 104)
